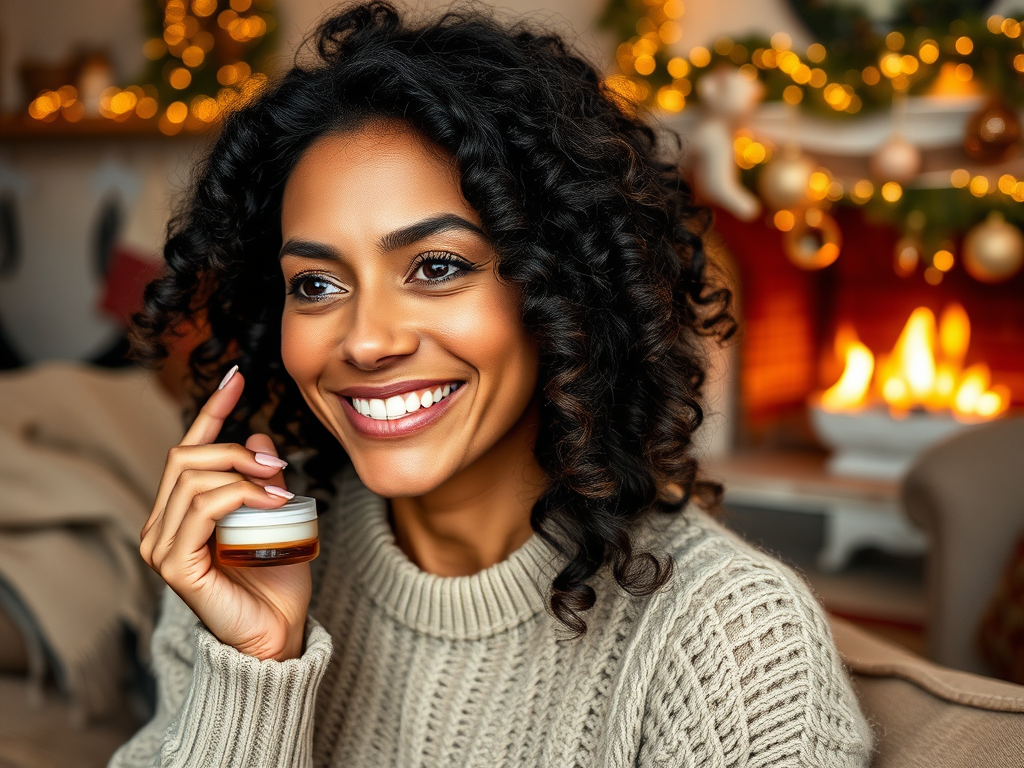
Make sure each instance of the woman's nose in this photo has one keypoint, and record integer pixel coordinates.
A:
(377, 335)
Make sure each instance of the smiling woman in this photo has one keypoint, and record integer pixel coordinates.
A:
(461, 291)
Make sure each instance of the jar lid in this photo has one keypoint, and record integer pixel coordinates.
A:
(300, 509)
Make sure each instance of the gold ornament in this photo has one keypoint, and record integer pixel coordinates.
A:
(814, 242)
(993, 250)
(784, 180)
(896, 160)
(993, 132)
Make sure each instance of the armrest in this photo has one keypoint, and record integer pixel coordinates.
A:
(925, 714)
(871, 656)
(967, 494)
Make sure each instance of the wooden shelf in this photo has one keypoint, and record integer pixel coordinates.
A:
(24, 128)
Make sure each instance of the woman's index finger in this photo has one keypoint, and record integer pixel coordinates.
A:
(218, 407)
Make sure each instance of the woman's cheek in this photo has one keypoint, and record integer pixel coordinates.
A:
(306, 347)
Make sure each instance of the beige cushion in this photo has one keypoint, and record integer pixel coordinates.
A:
(931, 716)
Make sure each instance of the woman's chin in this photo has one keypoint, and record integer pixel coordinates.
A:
(391, 482)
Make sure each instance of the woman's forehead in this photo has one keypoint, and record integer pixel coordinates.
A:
(377, 168)
(371, 178)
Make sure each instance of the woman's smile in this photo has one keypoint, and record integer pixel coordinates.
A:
(396, 327)
(400, 409)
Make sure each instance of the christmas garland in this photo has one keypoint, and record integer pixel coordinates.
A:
(851, 67)
(204, 57)
(932, 47)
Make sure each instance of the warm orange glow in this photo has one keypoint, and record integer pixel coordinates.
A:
(954, 80)
(784, 220)
(852, 388)
(924, 370)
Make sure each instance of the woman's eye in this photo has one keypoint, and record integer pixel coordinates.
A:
(436, 270)
(439, 269)
(312, 287)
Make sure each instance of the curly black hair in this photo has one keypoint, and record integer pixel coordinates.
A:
(599, 234)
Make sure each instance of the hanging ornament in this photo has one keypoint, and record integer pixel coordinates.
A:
(814, 241)
(896, 160)
(993, 132)
(727, 99)
(784, 179)
(993, 250)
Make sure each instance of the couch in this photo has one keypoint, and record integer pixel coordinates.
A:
(924, 715)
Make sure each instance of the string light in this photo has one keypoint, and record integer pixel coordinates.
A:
(943, 260)
(891, 191)
(183, 39)
(784, 220)
(901, 63)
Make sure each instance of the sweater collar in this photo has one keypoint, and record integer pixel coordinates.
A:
(456, 608)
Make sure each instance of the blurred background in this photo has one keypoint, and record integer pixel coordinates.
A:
(863, 163)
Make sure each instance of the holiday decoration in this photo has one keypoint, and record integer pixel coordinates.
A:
(814, 241)
(728, 97)
(994, 250)
(783, 182)
(856, 64)
(896, 160)
(993, 133)
(205, 57)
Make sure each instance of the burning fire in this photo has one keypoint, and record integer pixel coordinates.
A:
(924, 370)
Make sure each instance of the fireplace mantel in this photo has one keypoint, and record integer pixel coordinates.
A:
(844, 144)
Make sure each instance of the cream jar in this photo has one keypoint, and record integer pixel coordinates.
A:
(249, 537)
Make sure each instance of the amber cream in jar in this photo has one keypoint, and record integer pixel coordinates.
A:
(250, 537)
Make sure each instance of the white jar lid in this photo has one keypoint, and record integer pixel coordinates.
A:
(300, 509)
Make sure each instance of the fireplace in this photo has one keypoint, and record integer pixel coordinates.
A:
(794, 320)
(786, 357)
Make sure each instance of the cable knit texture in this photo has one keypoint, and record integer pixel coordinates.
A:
(731, 664)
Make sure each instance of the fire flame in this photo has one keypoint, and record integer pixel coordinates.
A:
(924, 370)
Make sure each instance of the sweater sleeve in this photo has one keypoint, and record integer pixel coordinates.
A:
(750, 677)
(218, 706)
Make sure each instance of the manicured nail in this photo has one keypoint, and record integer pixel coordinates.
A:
(227, 377)
(267, 460)
(274, 490)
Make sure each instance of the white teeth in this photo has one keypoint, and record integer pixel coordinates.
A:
(399, 405)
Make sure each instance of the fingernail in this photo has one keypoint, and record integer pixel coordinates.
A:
(267, 460)
(227, 377)
(274, 490)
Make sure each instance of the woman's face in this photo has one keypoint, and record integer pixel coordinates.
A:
(395, 327)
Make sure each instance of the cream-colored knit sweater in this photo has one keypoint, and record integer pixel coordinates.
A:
(731, 664)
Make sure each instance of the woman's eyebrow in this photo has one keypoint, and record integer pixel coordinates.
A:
(392, 241)
(406, 236)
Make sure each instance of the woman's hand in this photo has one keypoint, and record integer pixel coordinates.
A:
(259, 611)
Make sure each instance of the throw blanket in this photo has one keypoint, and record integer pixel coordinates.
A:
(81, 454)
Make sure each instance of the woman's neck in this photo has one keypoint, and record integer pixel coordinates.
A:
(479, 516)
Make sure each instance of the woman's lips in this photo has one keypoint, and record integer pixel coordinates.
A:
(403, 425)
